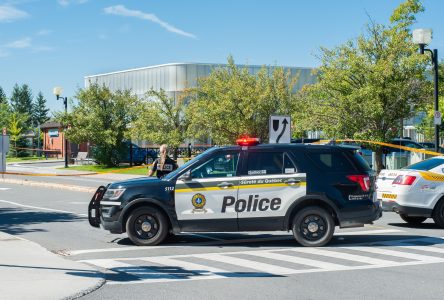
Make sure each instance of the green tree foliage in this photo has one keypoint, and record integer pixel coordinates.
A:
(161, 120)
(39, 111)
(3, 98)
(5, 113)
(15, 127)
(21, 102)
(368, 85)
(102, 118)
(231, 102)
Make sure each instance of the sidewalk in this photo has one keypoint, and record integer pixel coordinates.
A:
(29, 271)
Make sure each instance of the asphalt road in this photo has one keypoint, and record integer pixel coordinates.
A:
(387, 260)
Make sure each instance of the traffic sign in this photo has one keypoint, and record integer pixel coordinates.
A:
(280, 129)
(437, 117)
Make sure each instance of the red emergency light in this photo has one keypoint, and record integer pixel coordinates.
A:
(248, 141)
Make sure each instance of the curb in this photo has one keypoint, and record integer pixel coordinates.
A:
(75, 188)
(76, 295)
(35, 162)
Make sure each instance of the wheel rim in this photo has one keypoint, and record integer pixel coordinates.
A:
(313, 227)
(146, 227)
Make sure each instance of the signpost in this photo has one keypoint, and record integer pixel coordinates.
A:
(437, 117)
(4, 147)
(280, 129)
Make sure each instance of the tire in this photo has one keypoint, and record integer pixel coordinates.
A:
(147, 226)
(412, 220)
(438, 214)
(318, 219)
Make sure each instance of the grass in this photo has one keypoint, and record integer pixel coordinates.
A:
(29, 158)
(142, 170)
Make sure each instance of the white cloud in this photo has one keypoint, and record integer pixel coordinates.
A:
(9, 13)
(3, 53)
(43, 49)
(68, 2)
(44, 32)
(20, 44)
(121, 10)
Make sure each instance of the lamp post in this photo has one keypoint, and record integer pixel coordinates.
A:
(423, 37)
(58, 91)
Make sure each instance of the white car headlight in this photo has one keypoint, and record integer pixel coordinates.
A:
(113, 194)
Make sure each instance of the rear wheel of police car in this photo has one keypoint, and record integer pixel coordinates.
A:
(438, 213)
(147, 226)
(313, 226)
(412, 220)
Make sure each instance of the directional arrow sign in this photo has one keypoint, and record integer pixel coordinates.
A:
(280, 129)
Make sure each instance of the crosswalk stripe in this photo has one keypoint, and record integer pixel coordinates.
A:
(184, 264)
(422, 248)
(107, 263)
(394, 253)
(299, 260)
(345, 256)
(255, 265)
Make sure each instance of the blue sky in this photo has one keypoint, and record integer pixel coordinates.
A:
(47, 43)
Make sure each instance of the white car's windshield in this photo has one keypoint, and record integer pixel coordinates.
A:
(426, 165)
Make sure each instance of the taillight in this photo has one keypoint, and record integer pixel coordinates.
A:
(404, 180)
(363, 180)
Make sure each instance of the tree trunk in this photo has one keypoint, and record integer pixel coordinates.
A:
(378, 160)
(176, 150)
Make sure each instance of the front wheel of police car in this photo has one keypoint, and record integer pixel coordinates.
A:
(313, 227)
(147, 226)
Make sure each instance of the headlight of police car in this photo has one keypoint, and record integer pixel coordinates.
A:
(113, 194)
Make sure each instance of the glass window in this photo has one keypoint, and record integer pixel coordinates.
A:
(221, 165)
(332, 161)
(269, 163)
(426, 165)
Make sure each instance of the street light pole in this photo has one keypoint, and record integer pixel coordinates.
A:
(423, 37)
(58, 91)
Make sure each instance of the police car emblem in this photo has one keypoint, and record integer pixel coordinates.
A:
(198, 202)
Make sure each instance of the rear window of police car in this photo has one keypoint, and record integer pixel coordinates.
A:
(331, 161)
(426, 165)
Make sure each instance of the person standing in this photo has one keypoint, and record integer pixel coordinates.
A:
(164, 164)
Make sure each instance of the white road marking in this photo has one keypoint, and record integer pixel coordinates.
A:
(221, 242)
(389, 252)
(251, 264)
(4, 189)
(345, 256)
(202, 271)
(297, 260)
(44, 208)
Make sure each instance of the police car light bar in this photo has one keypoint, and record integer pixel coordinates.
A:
(247, 141)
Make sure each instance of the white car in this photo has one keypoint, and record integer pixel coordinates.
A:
(415, 192)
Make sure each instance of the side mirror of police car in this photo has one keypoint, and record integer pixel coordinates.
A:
(185, 176)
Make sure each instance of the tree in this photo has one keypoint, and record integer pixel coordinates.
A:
(161, 120)
(231, 102)
(21, 102)
(5, 113)
(15, 129)
(39, 110)
(101, 117)
(367, 86)
(3, 98)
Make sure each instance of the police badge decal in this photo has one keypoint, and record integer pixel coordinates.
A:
(199, 202)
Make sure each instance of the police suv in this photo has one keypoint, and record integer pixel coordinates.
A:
(308, 189)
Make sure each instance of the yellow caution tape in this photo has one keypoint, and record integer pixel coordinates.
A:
(388, 145)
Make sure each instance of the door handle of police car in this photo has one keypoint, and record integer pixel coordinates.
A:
(292, 181)
(225, 185)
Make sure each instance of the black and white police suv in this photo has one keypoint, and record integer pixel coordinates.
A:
(308, 189)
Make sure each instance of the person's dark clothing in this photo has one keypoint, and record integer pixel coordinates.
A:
(169, 166)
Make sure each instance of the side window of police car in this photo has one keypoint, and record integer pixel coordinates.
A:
(269, 163)
(221, 165)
